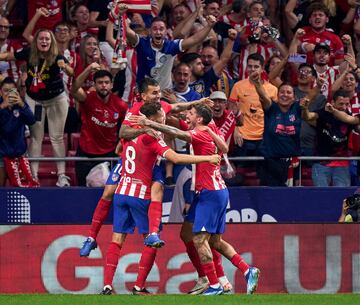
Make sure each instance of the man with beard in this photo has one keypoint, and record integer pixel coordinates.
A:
(102, 112)
(206, 73)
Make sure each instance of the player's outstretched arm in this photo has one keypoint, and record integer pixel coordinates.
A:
(179, 107)
(169, 130)
(190, 159)
(128, 133)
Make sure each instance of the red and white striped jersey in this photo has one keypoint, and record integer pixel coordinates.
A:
(355, 104)
(139, 157)
(10, 68)
(330, 76)
(207, 176)
(139, 6)
(73, 59)
(130, 74)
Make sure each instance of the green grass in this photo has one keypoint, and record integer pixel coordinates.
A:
(238, 299)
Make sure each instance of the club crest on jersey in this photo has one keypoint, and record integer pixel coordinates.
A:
(292, 118)
(115, 177)
(116, 115)
(16, 113)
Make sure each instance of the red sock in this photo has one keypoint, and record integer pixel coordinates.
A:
(154, 215)
(146, 262)
(217, 263)
(194, 258)
(210, 272)
(24, 165)
(111, 262)
(99, 216)
(12, 170)
(239, 263)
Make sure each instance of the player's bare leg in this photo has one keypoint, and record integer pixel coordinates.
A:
(201, 242)
(251, 273)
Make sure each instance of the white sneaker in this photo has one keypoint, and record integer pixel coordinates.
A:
(63, 181)
(226, 285)
(201, 285)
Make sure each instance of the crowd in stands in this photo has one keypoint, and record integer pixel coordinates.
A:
(282, 75)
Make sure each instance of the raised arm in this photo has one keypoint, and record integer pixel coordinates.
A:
(342, 115)
(40, 12)
(307, 115)
(265, 100)
(184, 27)
(128, 133)
(199, 36)
(226, 54)
(179, 107)
(219, 141)
(291, 18)
(275, 73)
(109, 34)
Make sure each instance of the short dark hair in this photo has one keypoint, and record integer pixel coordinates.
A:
(311, 67)
(257, 57)
(179, 65)
(188, 58)
(102, 73)
(317, 6)
(149, 109)
(340, 93)
(204, 112)
(156, 19)
(146, 82)
(286, 84)
(7, 80)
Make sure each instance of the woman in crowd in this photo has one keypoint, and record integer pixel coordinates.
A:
(45, 96)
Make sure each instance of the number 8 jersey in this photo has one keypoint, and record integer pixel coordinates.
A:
(139, 158)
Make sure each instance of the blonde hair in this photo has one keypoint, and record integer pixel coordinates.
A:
(331, 5)
(50, 56)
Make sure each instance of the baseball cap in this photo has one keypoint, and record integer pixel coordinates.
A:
(218, 95)
(322, 46)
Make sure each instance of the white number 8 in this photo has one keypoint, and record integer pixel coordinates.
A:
(130, 157)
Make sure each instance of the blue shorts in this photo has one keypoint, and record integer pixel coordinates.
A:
(115, 174)
(130, 212)
(210, 211)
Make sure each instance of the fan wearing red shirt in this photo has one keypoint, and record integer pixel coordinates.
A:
(317, 33)
(54, 10)
(133, 193)
(102, 113)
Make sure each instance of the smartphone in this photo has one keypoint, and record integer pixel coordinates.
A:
(38, 112)
(298, 58)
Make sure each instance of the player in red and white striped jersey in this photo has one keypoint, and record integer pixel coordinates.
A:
(132, 196)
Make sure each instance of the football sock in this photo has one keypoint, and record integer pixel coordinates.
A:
(194, 258)
(154, 215)
(100, 214)
(239, 263)
(210, 272)
(146, 262)
(111, 262)
(217, 263)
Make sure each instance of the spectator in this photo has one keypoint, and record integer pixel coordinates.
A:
(201, 80)
(317, 33)
(350, 211)
(45, 95)
(244, 98)
(333, 128)
(14, 115)
(281, 139)
(81, 17)
(102, 112)
(156, 53)
(8, 68)
(99, 12)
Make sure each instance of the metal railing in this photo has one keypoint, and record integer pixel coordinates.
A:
(254, 158)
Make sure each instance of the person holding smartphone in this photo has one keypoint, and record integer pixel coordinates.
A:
(14, 115)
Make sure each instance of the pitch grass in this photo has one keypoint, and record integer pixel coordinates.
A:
(237, 299)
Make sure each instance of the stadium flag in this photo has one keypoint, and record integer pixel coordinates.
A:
(138, 6)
